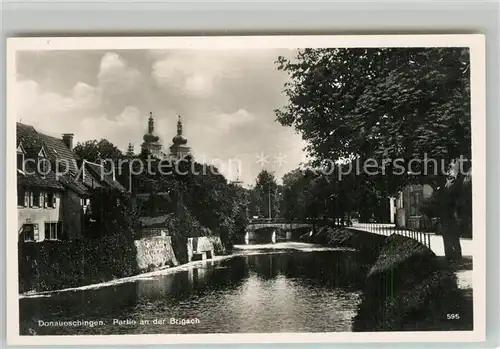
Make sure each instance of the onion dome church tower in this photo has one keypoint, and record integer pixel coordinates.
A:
(151, 141)
(179, 149)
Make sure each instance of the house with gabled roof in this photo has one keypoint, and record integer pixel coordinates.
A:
(53, 186)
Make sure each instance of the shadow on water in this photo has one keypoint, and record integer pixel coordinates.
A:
(292, 291)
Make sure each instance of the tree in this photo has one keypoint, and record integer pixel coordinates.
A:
(380, 102)
(96, 151)
(383, 104)
(111, 213)
(293, 204)
(267, 194)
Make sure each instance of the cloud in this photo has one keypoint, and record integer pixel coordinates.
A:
(226, 100)
(85, 109)
(120, 130)
(115, 76)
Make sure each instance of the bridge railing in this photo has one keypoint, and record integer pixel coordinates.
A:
(277, 221)
(389, 229)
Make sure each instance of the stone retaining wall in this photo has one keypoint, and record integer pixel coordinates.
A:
(155, 252)
(203, 244)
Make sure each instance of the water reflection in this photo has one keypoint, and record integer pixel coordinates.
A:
(296, 291)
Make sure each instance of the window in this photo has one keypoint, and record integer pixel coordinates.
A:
(35, 201)
(30, 232)
(43, 166)
(20, 161)
(53, 230)
(21, 197)
(50, 200)
(61, 168)
(20, 157)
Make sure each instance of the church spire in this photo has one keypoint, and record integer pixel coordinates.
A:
(151, 123)
(150, 137)
(130, 150)
(179, 139)
(179, 126)
(179, 149)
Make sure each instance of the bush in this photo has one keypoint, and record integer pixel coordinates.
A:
(51, 265)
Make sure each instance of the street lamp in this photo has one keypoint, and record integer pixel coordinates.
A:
(269, 202)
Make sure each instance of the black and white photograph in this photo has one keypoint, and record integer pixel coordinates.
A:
(315, 188)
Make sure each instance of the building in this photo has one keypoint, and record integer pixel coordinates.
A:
(151, 142)
(179, 148)
(408, 206)
(154, 206)
(53, 186)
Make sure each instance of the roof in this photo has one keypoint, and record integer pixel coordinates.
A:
(155, 222)
(72, 176)
(35, 180)
(98, 172)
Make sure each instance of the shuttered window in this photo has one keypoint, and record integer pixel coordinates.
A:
(30, 232)
(50, 200)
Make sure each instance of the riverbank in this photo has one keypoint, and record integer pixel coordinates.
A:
(408, 287)
(59, 265)
(238, 251)
(254, 291)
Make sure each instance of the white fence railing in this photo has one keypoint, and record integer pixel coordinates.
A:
(389, 229)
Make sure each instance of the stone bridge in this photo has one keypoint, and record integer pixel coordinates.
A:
(252, 226)
(273, 231)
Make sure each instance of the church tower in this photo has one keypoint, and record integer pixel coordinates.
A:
(179, 149)
(151, 141)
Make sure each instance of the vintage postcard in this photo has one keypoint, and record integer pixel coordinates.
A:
(245, 189)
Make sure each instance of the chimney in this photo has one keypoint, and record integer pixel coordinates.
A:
(68, 140)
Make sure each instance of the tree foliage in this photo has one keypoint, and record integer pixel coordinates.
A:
(95, 151)
(198, 197)
(265, 196)
(393, 103)
(386, 105)
(111, 212)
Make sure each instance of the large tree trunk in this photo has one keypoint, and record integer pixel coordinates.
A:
(451, 240)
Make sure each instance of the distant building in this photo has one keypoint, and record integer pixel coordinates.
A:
(153, 205)
(51, 201)
(179, 149)
(408, 206)
(237, 182)
(151, 142)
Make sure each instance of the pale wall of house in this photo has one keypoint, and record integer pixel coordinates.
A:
(392, 209)
(39, 215)
(403, 218)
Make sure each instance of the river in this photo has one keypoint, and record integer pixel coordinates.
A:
(260, 289)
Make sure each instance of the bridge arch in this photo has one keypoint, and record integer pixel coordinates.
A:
(269, 232)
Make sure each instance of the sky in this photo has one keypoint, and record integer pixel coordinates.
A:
(226, 99)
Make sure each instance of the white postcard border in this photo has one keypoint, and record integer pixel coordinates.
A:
(476, 43)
